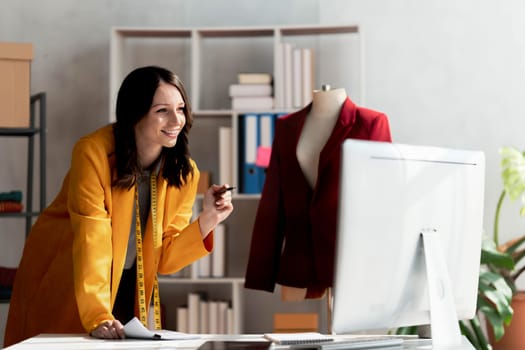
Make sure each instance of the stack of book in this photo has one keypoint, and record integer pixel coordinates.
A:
(205, 316)
(11, 202)
(253, 91)
(296, 75)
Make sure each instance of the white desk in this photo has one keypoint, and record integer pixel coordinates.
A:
(84, 342)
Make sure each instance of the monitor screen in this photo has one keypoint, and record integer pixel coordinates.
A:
(391, 195)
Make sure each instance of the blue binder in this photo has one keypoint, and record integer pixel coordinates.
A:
(266, 132)
(249, 137)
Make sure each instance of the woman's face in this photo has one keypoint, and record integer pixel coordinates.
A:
(163, 123)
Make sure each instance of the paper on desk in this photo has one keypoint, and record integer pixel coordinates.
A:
(135, 329)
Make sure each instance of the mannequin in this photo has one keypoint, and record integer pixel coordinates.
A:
(326, 105)
(294, 234)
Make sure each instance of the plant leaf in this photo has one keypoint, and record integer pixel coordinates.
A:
(493, 281)
(512, 245)
(492, 316)
(469, 333)
(502, 305)
(513, 174)
(497, 259)
(490, 255)
(406, 330)
(482, 341)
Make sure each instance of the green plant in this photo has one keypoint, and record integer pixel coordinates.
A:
(498, 274)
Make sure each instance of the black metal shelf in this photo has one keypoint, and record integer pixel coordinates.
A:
(34, 130)
(18, 131)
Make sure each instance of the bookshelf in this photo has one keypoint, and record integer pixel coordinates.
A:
(208, 60)
(35, 129)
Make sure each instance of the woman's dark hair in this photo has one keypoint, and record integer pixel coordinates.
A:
(134, 101)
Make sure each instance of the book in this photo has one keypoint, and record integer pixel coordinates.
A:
(297, 338)
(250, 90)
(297, 77)
(135, 329)
(230, 321)
(218, 255)
(222, 315)
(308, 75)
(254, 78)
(278, 83)
(252, 102)
(225, 155)
(213, 317)
(288, 74)
(204, 317)
(193, 312)
(182, 319)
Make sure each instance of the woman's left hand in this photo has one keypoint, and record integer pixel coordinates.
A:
(216, 207)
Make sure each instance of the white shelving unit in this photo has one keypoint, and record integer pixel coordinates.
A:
(208, 61)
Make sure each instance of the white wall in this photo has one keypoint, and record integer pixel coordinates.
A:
(448, 73)
(71, 64)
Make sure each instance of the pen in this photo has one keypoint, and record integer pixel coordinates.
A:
(223, 190)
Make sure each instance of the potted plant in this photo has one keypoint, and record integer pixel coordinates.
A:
(499, 300)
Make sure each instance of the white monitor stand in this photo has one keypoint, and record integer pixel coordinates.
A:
(443, 319)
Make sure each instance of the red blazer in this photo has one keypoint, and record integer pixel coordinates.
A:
(295, 227)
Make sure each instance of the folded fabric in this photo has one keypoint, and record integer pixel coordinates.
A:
(15, 196)
(10, 207)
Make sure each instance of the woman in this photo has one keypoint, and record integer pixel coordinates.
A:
(79, 267)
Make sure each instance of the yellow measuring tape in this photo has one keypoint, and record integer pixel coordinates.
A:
(140, 262)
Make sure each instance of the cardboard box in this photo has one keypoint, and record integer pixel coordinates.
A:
(15, 79)
(295, 322)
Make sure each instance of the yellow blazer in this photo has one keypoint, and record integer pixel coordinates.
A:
(73, 259)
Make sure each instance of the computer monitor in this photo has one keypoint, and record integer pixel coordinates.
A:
(409, 238)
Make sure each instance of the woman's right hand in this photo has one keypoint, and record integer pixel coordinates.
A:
(109, 330)
(216, 207)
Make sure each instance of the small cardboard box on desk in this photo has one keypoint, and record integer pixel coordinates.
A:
(15, 78)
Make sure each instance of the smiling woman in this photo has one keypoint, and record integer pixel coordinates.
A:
(162, 124)
(122, 216)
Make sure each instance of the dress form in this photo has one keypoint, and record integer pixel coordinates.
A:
(317, 128)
